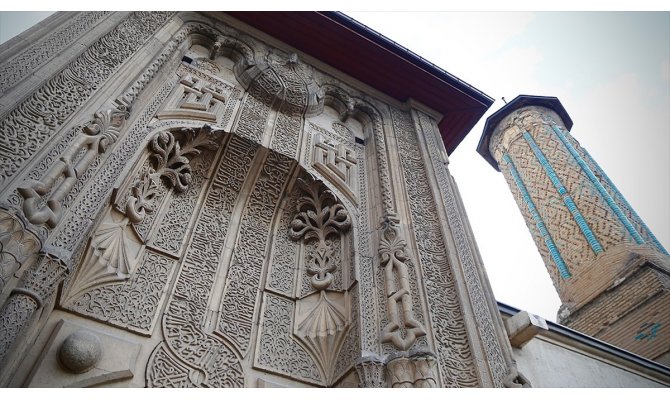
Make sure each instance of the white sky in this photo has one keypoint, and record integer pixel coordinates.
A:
(611, 71)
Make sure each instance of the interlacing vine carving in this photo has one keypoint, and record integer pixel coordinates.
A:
(319, 215)
(170, 159)
(402, 329)
(42, 198)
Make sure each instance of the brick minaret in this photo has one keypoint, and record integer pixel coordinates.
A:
(611, 273)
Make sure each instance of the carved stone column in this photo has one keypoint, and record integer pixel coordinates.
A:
(37, 285)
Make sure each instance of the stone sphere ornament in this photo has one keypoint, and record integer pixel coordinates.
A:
(80, 351)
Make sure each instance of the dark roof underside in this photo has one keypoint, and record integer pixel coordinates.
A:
(364, 54)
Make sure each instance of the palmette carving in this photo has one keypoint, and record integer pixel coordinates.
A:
(323, 328)
(130, 303)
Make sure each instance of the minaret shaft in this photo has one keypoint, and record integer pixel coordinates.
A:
(611, 273)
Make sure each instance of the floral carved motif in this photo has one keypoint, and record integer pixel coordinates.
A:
(319, 215)
(322, 320)
(171, 163)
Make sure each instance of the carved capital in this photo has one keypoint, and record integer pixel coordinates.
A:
(371, 372)
(416, 370)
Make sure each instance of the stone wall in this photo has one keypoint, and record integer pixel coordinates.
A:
(184, 204)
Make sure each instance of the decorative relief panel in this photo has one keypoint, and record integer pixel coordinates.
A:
(496, 361)
(283, 267)
(249, 258)
(43, 197)
(277, 350)
(17, 68)
(37, 118)
(190, 356)
(456, 363)
(199, 100)
(132, 303)
(93, 196)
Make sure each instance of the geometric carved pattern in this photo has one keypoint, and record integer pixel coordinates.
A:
(497, 364)
(336, 162)
(455, 358)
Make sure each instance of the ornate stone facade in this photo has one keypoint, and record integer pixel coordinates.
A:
(232, 213)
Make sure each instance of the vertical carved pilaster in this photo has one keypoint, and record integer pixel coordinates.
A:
(37, 285)
(42, 198)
